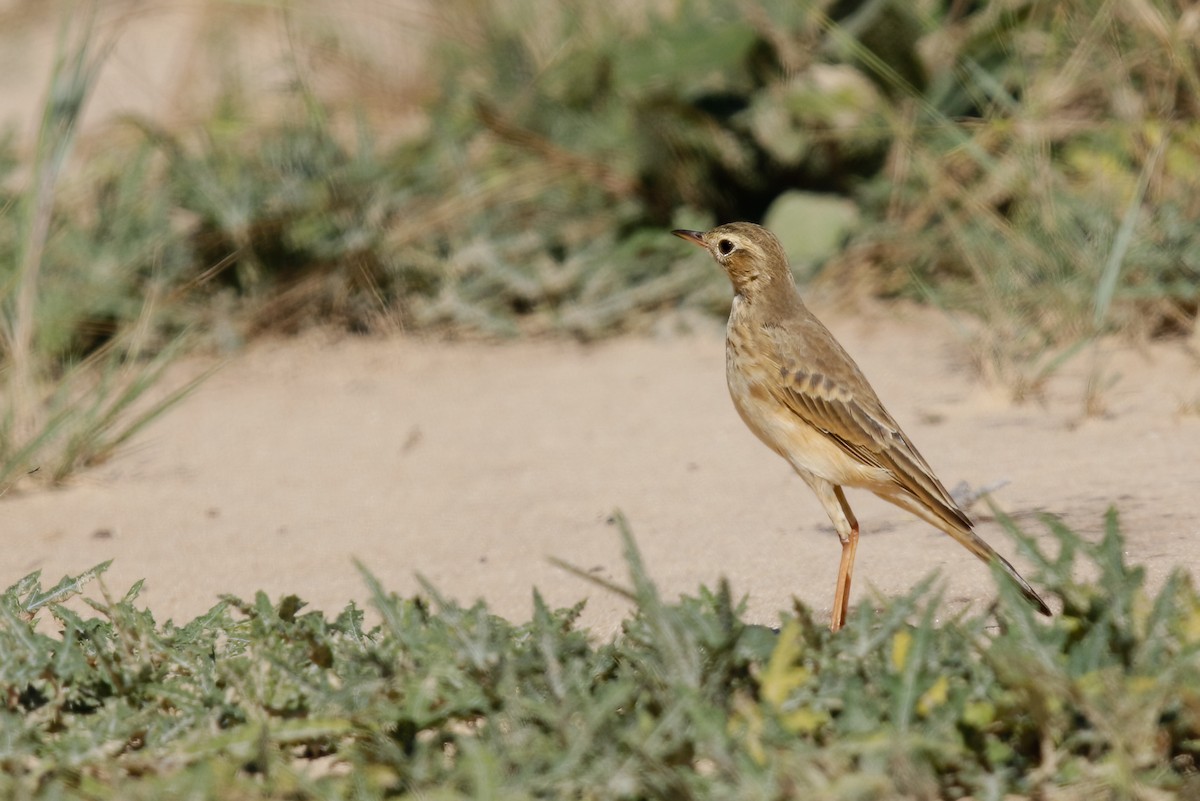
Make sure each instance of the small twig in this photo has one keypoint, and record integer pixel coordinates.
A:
(604, 583)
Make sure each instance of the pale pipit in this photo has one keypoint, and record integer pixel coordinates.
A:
(800, 393)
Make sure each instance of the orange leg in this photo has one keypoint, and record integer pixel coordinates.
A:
(841, 594)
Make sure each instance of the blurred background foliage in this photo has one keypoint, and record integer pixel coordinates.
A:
(981, 155)
(1031, 164)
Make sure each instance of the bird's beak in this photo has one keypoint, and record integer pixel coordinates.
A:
(695, 237)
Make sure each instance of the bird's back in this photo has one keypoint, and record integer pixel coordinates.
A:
(784, 363)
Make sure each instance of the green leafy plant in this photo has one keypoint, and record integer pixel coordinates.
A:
(262, 699)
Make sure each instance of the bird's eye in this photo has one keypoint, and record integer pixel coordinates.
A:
(725, 247)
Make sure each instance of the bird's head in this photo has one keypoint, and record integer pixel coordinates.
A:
(750, 255)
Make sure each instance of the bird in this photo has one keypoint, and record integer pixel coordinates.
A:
(799, 391)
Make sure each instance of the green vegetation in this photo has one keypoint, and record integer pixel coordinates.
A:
(266, 700)
(77, 299)
(1030, 162)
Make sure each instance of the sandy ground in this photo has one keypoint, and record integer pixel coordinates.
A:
(470, 464)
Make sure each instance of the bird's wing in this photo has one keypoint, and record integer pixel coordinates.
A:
(858, 423)
(834, 397)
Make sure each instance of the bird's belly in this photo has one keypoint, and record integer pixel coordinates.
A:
(807, 449)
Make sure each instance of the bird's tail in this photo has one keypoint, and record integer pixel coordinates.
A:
(988, 554)
(955, 523)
